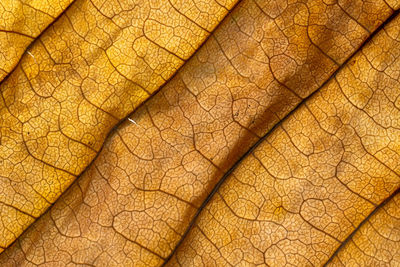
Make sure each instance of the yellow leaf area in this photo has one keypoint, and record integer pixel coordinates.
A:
(276, 144)
(96, 63)
(21, 21)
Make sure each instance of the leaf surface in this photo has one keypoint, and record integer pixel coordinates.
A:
(21, 21)
(376, 242)
(276, 143)
(95, 64)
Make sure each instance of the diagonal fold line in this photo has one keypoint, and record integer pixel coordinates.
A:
(366, 219)
(253, 147)
(126, 118)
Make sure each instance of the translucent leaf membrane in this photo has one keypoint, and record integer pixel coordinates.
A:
(94, 65)
(377, 240)
(21, 21)
(314, 179)
(323, 163)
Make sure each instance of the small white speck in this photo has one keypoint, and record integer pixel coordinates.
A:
(134, 122)
(30, 54)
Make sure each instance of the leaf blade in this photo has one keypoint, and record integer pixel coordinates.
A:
(64, 97)
(146, 118)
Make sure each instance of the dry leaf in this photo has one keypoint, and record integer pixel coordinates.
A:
(276, 143)
(21, 22)
(97, 62)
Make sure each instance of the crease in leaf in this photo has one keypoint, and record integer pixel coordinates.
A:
(289, 201)
(91, 68)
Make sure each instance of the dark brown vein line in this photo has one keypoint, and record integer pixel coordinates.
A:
(18, 33)
(17, 209)
(347, 240)
(252, 148)
(35, 39)
(116, 126)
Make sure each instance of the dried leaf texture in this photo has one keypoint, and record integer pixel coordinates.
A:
(301, 193)
(308, 186)
(376, 243)
(21, 21)
(93, 66)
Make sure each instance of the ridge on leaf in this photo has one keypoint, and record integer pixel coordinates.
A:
(293, 199)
